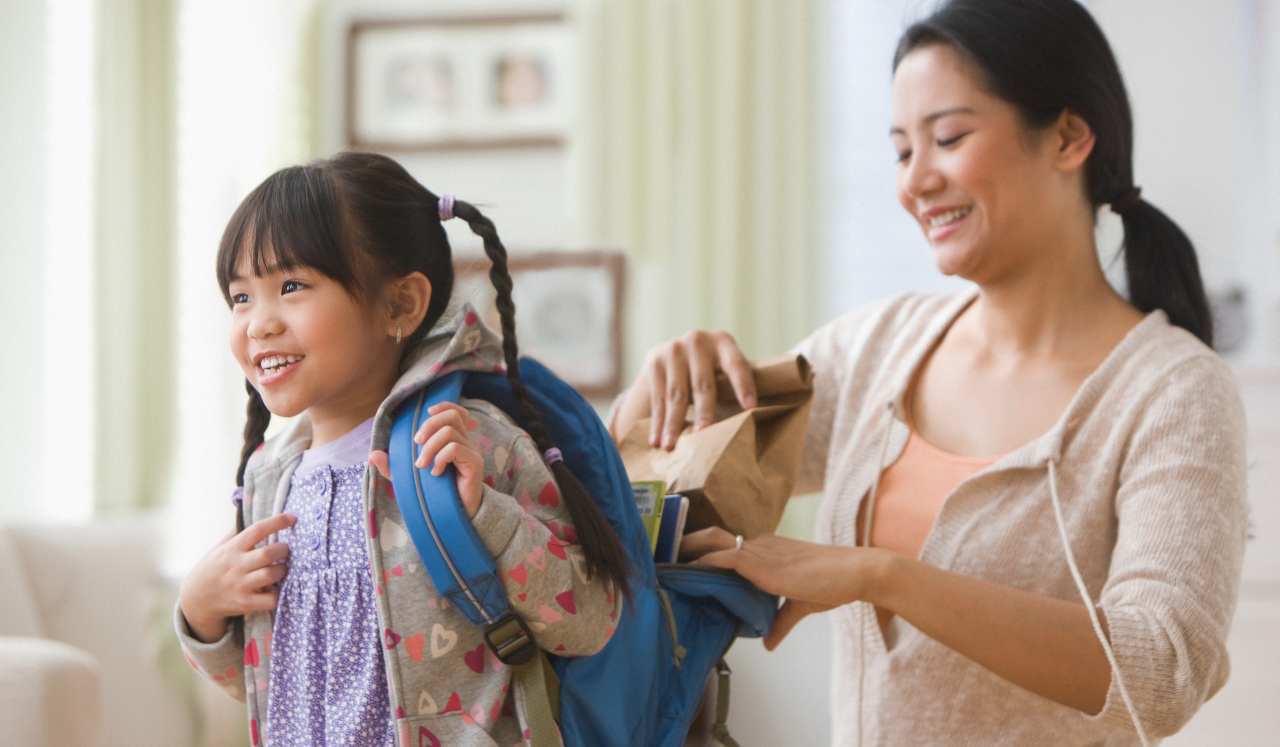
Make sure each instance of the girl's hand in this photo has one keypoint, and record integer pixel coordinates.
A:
(444, 439)
(235, 578)
(812, 577)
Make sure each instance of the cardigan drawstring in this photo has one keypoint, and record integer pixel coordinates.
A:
(1089, 605)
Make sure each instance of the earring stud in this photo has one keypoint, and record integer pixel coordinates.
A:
(397, 335)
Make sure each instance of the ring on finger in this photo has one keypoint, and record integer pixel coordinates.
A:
(737, 542)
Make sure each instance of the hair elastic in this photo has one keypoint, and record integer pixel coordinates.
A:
(445, 205)
(1126, 200)
(551, 456)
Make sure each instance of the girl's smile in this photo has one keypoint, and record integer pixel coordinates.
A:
(274, 366)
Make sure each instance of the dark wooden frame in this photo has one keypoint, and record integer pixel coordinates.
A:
(349, 88)
(616, 265)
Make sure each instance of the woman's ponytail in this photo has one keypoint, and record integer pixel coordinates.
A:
(1161, 269)
(604, 553)
(255, 427)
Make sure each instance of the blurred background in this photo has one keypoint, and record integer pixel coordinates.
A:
(734, 152)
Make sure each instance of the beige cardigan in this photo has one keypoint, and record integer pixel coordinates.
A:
(1150, 462)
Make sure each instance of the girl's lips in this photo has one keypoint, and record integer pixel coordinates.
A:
(266, 379)
(942, 232)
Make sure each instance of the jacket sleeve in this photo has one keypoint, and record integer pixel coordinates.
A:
(1182, 527)
(221, 661)
(528, 530)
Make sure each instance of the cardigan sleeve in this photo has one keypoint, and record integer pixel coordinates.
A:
(1182, 527)
(221, 661)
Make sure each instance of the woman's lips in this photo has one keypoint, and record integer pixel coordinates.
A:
(955, 220)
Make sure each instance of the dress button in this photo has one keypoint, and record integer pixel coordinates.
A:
(318, 514)
(315, 542)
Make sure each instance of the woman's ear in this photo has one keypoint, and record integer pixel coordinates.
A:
(409, 298)
(1074, 139)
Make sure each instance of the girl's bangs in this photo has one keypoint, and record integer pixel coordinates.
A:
(291, 220)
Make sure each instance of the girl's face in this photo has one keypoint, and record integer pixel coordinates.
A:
(305, 343)
(984, 188)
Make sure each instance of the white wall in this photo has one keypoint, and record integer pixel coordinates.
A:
(22, 105)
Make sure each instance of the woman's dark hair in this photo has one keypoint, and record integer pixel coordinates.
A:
(1049, 56)
(361, 219)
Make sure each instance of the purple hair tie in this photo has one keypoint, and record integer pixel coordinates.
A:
(445, 205)
(237, 497)
(551, 456)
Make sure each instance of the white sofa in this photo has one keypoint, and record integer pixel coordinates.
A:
(87, 654)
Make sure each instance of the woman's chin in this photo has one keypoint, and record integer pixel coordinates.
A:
(953, 260)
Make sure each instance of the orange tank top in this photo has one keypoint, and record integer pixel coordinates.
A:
(910, 495)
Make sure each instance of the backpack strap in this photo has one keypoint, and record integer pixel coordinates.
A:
(458, 562)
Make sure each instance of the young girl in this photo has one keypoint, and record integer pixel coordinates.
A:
(338, 275)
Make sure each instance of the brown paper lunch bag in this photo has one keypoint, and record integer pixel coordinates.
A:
(739, 472)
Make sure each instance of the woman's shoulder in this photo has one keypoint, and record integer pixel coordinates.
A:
(881, 327)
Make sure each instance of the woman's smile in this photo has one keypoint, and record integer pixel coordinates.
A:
(941, 222)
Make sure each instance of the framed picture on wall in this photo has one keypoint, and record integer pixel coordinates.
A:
(568, 312)
(452, 83)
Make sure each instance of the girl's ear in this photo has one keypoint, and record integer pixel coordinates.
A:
(408, 297)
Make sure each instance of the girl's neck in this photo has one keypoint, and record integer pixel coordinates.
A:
(334, 419)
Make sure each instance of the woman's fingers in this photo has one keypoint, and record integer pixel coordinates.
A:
(790, 613)
(676, 396)
(694, 545)
(657, 399)
(729, 358)
(702, 377)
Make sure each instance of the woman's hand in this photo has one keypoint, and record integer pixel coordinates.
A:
(445, 439)
(813, 577)
(235, 578)
(677, 371)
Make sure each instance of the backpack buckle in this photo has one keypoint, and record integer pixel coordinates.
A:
(511, 640)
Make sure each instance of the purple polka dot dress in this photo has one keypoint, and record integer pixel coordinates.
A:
(328, 680)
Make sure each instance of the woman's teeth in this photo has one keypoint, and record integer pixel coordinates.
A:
(269, 365)
(951, 216)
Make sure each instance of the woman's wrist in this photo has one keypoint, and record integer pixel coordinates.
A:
(882, 574)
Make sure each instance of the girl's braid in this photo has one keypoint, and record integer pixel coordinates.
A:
(255, 426)
(600, 544)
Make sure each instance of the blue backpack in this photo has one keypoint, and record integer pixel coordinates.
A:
(645, 686)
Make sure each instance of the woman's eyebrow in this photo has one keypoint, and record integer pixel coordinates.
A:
(934, 117)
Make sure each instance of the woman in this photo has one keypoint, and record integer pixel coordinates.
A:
(1034, 518)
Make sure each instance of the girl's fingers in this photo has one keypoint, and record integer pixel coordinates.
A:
(265, 556)
(264, 577)
(261, 530)
(442, 415)
(380, 460)
(456, 454)
(438, 441)
(264, 601)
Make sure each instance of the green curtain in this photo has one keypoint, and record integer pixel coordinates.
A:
(697, 156)
(135, 194)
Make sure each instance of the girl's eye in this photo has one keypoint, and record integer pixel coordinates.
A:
(239, 298)
(951, 141)
(290, 286)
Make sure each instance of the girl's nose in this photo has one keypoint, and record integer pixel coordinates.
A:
(264, 323)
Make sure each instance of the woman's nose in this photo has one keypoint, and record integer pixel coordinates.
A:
(921, 177)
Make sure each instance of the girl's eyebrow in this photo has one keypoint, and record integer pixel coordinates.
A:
(930, 119)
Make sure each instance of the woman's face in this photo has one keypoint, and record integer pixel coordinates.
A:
(984, 188)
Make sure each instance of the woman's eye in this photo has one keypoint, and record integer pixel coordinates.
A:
(952, 140)
(904, 157)
(290, 286)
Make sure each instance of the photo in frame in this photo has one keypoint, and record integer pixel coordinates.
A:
(568, 312)
(456, 83)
